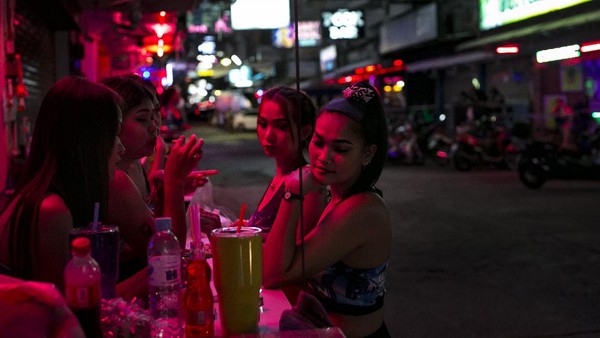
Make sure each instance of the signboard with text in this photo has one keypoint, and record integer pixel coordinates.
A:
(343, 24)
(496, 13)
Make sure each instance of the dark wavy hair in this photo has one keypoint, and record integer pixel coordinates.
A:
(297, 105)
(72, 140)
(373, 131)
(132, 89)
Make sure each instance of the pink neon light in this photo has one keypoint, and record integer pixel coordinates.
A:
(507, 50)
(590, 47)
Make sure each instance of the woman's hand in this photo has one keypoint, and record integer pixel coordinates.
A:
(309, 184)
(197, 179)
(183, 158)
(209, 221)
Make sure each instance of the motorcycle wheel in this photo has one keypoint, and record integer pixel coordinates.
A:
(462, 163)
(531, 175)
(512, 160)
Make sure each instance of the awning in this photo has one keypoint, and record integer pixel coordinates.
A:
(348, 69)
(447, 61)
(571, 21)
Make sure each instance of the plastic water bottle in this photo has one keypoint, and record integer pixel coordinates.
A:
(82, 287)
(164, 280)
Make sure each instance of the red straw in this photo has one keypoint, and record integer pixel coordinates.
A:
(241, 220)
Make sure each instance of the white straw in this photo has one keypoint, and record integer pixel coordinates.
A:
(195, 221)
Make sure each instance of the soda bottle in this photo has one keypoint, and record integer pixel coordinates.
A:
(82, 287)
(198, 298)
(164, 280)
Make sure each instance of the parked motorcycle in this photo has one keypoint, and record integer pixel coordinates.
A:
(514, 151)
(483, 147)
(403, 146)
(519, 137)
(438, 147)
(543, 161)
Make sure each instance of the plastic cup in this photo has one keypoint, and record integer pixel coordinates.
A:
(104, 243)
(237, 271)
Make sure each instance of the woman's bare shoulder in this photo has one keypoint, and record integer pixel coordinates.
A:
(366, 203)
(123, 189)
(53, 206)
(54, 209)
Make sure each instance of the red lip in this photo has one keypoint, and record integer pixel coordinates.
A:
(322, 170)
(269, 148)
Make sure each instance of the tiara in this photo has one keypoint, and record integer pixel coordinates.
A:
(359, 93)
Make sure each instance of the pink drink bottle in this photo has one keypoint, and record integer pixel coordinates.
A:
(82, 287)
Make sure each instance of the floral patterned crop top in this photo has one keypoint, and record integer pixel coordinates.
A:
(349, 291)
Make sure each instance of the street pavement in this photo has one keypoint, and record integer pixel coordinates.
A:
(475, 254)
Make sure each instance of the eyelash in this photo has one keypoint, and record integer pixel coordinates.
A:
(319, 144)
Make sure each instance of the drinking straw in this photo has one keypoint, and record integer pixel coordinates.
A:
(241, 219)
(96, 212)
(194, 213)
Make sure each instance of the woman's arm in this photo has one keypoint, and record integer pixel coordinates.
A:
(342, 232)
(129, 211)
(312, 208)
(183, 158)
(51, 241)
(134, 286)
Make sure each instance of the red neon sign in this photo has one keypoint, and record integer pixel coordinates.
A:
(509, 49)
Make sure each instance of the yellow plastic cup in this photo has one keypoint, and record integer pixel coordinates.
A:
(237, 271)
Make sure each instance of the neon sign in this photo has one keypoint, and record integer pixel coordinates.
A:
(496, 13)
(343, 24)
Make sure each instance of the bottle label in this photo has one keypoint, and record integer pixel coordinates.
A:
(83, 297)
(164, 271)
(198, 318)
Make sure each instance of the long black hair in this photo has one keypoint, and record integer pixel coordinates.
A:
(73, 137)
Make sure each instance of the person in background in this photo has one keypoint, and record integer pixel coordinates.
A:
(133, 202)
(173, 108)
(344, 259)
(283, 140)
(75, 149)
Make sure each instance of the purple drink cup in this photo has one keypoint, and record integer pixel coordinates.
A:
(104, 243)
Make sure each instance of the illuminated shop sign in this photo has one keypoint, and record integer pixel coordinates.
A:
(496, 13)
(560, 53)
(328, 59)
(263, 14)
(309, 35)
(344, 24)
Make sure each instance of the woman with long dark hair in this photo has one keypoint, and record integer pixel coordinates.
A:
(74, 153)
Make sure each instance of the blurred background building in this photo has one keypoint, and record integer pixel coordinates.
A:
(434, 61)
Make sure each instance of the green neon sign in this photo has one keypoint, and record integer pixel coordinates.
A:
(496, 13)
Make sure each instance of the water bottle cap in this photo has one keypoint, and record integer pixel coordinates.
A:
(80, 246)
(162, 223)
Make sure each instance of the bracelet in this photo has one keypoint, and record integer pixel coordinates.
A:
(288, 195)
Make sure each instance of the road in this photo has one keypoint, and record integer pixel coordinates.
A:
(474, 254)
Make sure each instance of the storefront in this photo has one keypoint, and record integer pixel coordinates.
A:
(531, 84)
(36, 47)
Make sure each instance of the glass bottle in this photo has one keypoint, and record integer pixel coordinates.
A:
(198, 297)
